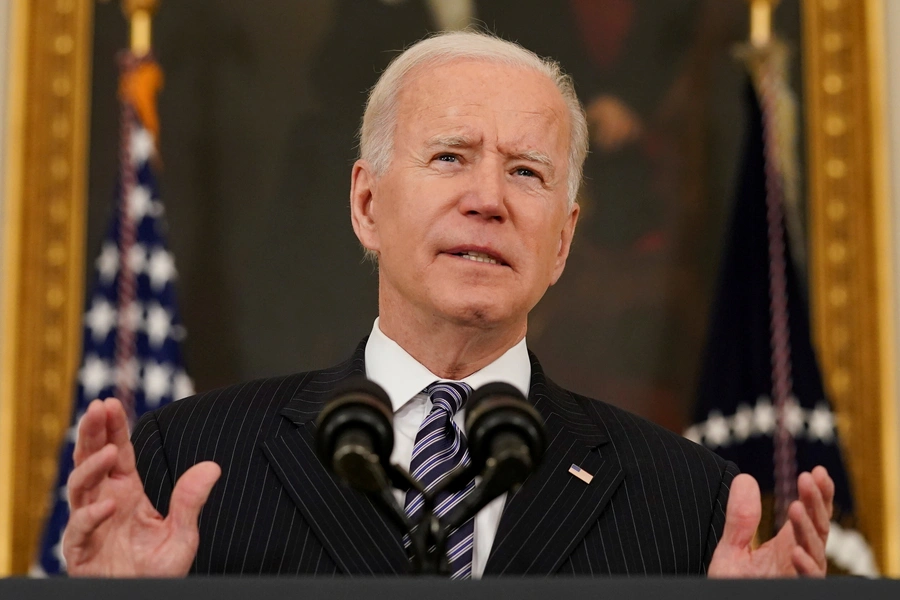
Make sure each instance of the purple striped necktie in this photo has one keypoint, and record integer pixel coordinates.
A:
(440, 446)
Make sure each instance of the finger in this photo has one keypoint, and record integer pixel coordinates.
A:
(826, 487)
(116, 422)
(91, 432)
(190, 494)
(118, 434)
(743, 512)
(811, 495)
(86, 476)
(805, 565)
(805, 532)
(85, 521)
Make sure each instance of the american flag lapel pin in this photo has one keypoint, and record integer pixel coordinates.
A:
(581, 474)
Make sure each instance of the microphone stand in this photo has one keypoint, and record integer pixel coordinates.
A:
(356, 462)
(426, 537)
(429, 536)
(503, 473)
(358, 454)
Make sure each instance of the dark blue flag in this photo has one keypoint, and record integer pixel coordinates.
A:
(132, 329)
(759, 347)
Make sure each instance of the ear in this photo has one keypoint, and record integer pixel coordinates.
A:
(565, 243)
(362, 205)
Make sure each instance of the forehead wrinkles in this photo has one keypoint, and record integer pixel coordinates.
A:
(518, 108)
(455, 124)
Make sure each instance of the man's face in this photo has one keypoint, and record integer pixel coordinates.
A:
(470, 221)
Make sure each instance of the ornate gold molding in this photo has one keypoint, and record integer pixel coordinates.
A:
(851, 286)
(44, 259)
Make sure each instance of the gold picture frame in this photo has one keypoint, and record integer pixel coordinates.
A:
(851, 252)
(44, 231)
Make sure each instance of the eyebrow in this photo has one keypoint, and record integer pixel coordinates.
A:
(451, 141)
(464, 141)
(533, 156)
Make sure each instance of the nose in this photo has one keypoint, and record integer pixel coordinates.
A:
(486, 196)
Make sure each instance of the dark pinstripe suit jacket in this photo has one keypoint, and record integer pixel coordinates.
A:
(655, 505)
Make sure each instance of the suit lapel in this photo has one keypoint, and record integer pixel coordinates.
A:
(347, 524)
(553, 510)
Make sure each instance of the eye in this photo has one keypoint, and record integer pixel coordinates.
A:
(447, 158)
(526, 172)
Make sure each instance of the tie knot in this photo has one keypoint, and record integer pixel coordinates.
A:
(449, 395)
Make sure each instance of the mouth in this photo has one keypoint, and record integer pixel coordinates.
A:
(480, 255)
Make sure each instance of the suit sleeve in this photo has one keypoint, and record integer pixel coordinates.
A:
(152, 462)
(717, 522)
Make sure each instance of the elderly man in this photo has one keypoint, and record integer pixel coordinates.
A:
(471, 154)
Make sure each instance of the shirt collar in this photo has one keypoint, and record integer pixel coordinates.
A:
(402, 376)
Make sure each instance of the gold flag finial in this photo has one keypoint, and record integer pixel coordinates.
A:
(761, 21)
(140, 14)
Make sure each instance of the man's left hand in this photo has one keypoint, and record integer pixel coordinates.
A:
(798, 549)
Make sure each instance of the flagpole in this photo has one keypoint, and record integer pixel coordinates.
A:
(761, 22)
(765, 59)
(140, 80)
(140, 15)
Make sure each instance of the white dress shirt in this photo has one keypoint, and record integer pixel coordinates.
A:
(404, 378)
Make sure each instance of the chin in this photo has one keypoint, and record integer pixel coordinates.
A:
(484, 314)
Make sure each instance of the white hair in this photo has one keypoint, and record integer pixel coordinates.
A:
(376, 135)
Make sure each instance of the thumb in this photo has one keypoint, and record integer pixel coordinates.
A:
(743, 513)
(190, 494)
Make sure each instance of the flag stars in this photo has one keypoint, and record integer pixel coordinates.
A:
(108, 263)
(717, 432)
(94, 375)
(140, 203)
(157, 383)
(183, 385)
(58, 554)
(160, 269)
(159, 325)
(764, 416)
(743, 423)
(849, 550)
(35, 571)
(72, 432)
(142, 146)
(137, 258)
(100, 319)
(821, 423)
(693, 433)
(793, 417)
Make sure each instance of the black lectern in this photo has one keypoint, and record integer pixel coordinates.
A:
(227, 588)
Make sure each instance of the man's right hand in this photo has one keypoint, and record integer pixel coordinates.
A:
(114, 530)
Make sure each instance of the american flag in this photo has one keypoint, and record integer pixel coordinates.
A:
(132, 329)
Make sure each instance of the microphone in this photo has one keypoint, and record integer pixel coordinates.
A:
(506, 442)
(354, 440)
(505, 434)
(356, 435)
